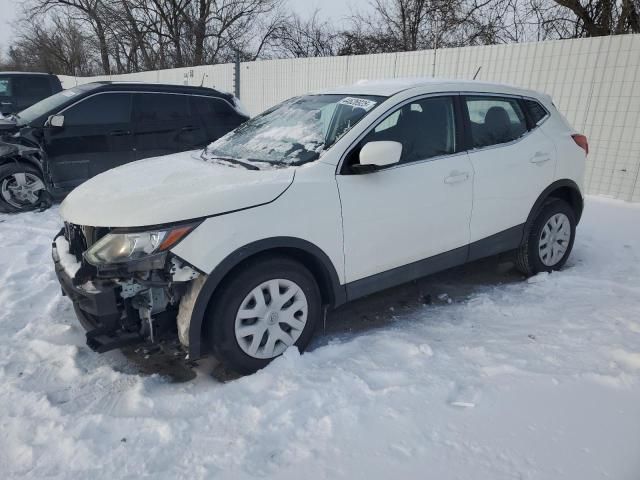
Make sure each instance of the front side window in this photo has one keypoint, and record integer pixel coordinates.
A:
(425, 128)
(295, 132)
(102, 109)
(52, 104)
(495, 120)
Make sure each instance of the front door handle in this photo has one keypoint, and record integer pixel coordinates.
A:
(189, 129)
(540, 157)
(456, 177)
(119, 133)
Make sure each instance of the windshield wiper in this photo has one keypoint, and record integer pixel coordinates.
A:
(271, 162)
(246, 165)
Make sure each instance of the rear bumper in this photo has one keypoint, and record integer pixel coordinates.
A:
(99, 310)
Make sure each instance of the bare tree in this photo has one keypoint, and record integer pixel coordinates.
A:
(59, 46)
(119, 36)
(90, 11)
(604, 17)
(220, 27)
(298, 37)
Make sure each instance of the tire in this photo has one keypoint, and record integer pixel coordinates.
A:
(250, 289)
(530, 259)
(10, 202)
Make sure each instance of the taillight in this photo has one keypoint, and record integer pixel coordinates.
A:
(582, 142)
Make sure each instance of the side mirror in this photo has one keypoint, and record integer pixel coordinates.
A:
(56, 121)
(376, 155)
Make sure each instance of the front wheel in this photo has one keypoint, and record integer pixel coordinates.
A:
(263, 309)
(550, 240)
(20, 187)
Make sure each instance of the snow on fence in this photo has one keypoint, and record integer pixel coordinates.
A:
(595, 82)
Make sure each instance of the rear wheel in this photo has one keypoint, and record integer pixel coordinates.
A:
(550, 240)
(20, 187)
(262, 310)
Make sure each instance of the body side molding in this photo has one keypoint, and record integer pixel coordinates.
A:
(504, 241)
(499, 243)
(406, 273)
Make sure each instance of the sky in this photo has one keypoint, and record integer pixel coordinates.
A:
(8, 12)
(334, 9)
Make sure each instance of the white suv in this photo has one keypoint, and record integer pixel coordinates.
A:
(237, 250)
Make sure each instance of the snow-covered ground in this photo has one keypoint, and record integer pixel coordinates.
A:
(500, 379)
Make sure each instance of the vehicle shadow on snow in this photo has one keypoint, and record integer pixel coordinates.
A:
(448, 287)
(370, 313)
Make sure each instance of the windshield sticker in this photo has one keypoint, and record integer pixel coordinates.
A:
(358, 103)
(68, 93)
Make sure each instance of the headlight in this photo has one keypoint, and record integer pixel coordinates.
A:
(127, 246)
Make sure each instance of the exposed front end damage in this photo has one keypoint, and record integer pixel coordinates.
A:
(145, 302)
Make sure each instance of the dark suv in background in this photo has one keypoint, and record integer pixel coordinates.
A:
(60, 142)
(20, 90)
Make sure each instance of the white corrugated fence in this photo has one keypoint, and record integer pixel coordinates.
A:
(595, 82)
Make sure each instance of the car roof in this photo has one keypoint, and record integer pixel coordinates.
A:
(159, 87)
(27, 73)
(389, 87)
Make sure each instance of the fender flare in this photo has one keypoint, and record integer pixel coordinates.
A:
(19, 158)
(542, 198)
(337, 291)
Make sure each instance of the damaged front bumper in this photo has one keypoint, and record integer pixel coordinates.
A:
(137, 304)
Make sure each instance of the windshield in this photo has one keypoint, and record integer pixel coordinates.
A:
(50, 105)
(296, 131)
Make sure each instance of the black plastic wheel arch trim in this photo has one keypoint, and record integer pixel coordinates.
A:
(337, 290)
(544, 196)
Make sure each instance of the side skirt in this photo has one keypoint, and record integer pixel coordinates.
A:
(500, 242)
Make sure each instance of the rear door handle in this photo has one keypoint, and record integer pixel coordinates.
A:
(189, 128)
(456, 177)
(119, 133)
(540, 157)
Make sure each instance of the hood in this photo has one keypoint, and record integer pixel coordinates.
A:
(170, 189)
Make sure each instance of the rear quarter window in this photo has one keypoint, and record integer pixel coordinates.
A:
(5, 87)
(536, 111)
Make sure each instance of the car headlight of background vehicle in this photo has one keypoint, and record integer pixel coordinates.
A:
(121, 247)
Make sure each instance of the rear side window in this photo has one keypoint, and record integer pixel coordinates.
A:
(160, 108)
(495, 120)
(211, 108)
(536, 111)
(425, 128)
(102, 109)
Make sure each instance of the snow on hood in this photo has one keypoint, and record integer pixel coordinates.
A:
(170, 189)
